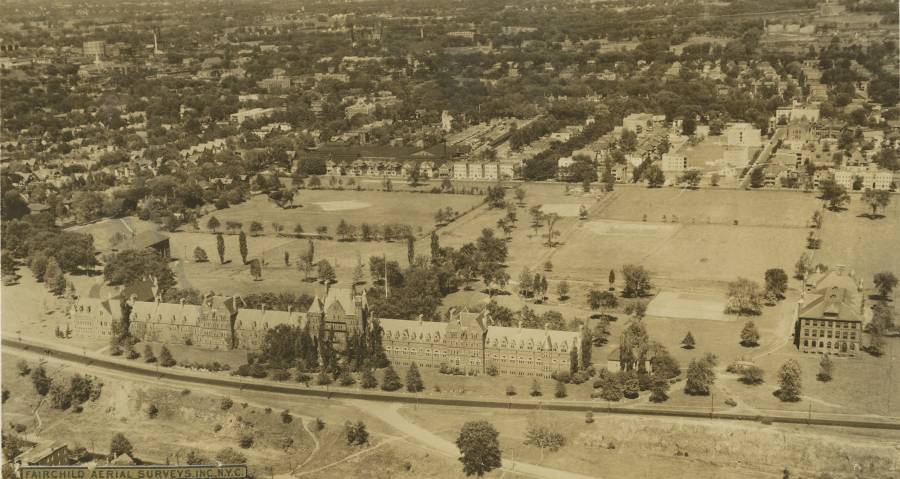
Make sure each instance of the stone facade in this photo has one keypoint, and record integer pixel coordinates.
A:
(342, 313)
(469, 343)
(94, 318)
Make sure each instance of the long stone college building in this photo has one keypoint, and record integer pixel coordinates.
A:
(467, 342)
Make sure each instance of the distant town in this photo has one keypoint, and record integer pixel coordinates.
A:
(554, 239)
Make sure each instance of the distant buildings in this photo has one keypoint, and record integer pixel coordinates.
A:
(94, 48)
(867, 177)
(253, 114)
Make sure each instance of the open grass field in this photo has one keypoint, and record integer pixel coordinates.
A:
(622, 446)
(329, 207)
(234, 277)
(865, 245)
(676, 253)
(756, 208)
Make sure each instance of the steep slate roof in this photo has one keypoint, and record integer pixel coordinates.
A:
(342, 296)
(432, 331)
(261, 319)
(524, 338)
(166, 313)
(833, 303)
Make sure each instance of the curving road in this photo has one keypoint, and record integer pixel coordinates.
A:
(889, 423)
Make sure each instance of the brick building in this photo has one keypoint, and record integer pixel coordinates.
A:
(831, 315)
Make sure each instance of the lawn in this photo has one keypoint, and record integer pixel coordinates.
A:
(865, 245)
(329, 207)
(624, 446)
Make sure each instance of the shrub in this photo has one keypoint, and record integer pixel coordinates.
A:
(246, 441)
(286, 417)
(323, 378)
(491, 370)
(589, 417)
(226, 403)
(560, 389)
(217, 428)
(281, 375)
(152, 411)
(562, 376)
(319, 424)
(510, 390)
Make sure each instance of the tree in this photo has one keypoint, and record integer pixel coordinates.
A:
(213, 224)
(612, 279)
(256, 228)
(242, 245)
(876, 199)
(526, 284)
(560, 389)
(562, 289)
(688, 341)
(496, 196)
(230, 456)
(326, 272)
(601, 299)
(885, 282)
(200, 255)
(550, 221)
(749, 335)
(414, 379)
(541, 434)
(691, 178)
(149, 357)
(752, 375)
(757, 177)
(803, 266)
(478, 442)
(165, 358)
(435, 247)
(520, 196)
(826, 368)
(40, 380)
(39, 261)
(535, 388)
(54, 278)
(256, 269)
(659, 388)
(220, 247)
(368, 380)
(700, 377)
(776, 282)
(131, 266)
(411, 249)
(655, 176)
(120, 445)
(637, 281)
(356, 433)
(833, 194)
(744, 297)
(789, 381)
(390, 381)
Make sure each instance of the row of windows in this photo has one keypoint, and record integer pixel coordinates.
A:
(831, 324)
(828, 334)
(828, 345)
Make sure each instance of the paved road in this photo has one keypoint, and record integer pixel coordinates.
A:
(178, 374)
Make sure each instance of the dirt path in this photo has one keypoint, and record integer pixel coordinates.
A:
(351, 456)
(389, 414)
